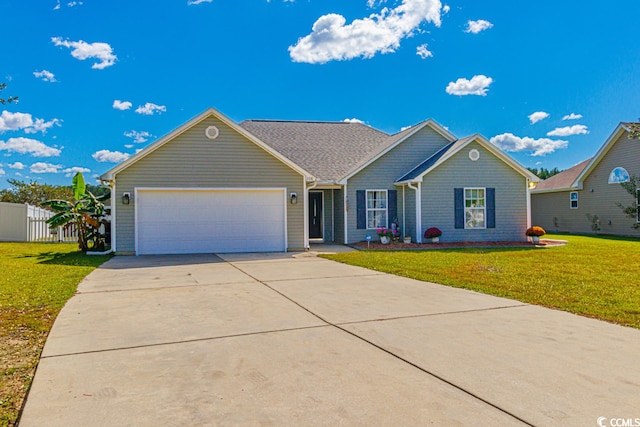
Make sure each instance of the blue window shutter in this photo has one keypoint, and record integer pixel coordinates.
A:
(392, 205)
(361, 209)
(459, 207)
(491, 207)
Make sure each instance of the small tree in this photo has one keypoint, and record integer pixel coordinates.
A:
(86, 212)
(631, 187)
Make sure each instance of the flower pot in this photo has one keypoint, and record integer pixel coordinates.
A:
(535, 239)
(385, 240)
(435, 240)
(407, 239)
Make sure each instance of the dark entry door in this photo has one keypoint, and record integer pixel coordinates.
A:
(315, 215)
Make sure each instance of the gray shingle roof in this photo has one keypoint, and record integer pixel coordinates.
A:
(328, 150)
(422, 167)
(563, 179)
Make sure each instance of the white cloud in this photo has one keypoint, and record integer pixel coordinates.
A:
(24, 121)
(82, 50)
(41, 167)
(478, 85)
(192, 2)
(540, 147)
(138, 137)
(569, 130)
(121, 105)
(572, 116)
(333, 39)
(354, 120)
(149, 109)
(74, 3)
(45, 75)
(57, 6)
(2, 172)
(537, 116)
(69, 172)
(110, 156)
(475, 27)
(445, 9)
(128, 145)
(16, 165)
(423, 52)
(28, 146)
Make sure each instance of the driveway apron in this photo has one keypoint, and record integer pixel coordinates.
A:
(292, 339)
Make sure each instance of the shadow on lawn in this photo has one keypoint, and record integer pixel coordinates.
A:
(76, 259)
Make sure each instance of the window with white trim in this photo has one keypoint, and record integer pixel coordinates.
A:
(376, 209)
(474, 208)
(618, 175)
(573, 200)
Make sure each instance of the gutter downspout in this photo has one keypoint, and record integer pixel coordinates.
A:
(404, 222)
(418, 211)
(307, 246)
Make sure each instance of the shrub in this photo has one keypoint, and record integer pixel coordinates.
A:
(432, 232)
(536, 231)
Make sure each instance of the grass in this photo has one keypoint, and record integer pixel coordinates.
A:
(36, 280)
(592, 276)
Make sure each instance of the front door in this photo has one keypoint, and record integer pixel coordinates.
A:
(315, 215)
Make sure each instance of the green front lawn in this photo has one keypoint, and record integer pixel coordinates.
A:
(592, 276)
(36, 280)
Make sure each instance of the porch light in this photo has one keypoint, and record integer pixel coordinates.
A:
(293, 198)
(126, 198)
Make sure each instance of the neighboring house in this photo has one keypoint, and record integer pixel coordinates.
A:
(571, 200)
(213, 185)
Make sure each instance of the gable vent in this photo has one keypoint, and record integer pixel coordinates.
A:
(212, 132)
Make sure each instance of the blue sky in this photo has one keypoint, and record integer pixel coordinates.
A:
(547, 81)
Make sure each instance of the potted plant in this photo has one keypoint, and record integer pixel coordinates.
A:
(535, 232)
(386, 234)
(433, 233)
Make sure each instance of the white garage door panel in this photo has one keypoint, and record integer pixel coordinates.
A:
(210, 221)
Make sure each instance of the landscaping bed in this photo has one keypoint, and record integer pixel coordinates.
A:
(451, 245)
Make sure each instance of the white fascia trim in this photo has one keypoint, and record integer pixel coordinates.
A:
(188, 125)
(430, 122)
(613, 138)
(528, 190)
(114, 218)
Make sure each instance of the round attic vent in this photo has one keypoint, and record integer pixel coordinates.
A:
(474, 155)
(212, 132)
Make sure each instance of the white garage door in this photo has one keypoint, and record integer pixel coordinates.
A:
(210, 221)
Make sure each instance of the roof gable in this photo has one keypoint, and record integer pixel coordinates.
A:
(428, 165)
(110, 174)
(620, 130)
(395, 140)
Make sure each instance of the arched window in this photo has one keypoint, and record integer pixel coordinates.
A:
(618, 175)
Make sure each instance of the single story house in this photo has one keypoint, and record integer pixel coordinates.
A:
(583, 199)
(213, 185)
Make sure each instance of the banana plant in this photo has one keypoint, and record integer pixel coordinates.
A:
(86, 212)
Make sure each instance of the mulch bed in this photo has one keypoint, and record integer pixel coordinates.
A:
(393, 246)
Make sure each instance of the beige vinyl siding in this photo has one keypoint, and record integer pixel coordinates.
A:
(601, 201)
(191, 160)
(381, 175)
(488, 171)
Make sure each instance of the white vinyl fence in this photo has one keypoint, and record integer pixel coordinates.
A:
(38, 231)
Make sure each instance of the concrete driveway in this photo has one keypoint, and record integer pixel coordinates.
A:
(292, 339)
